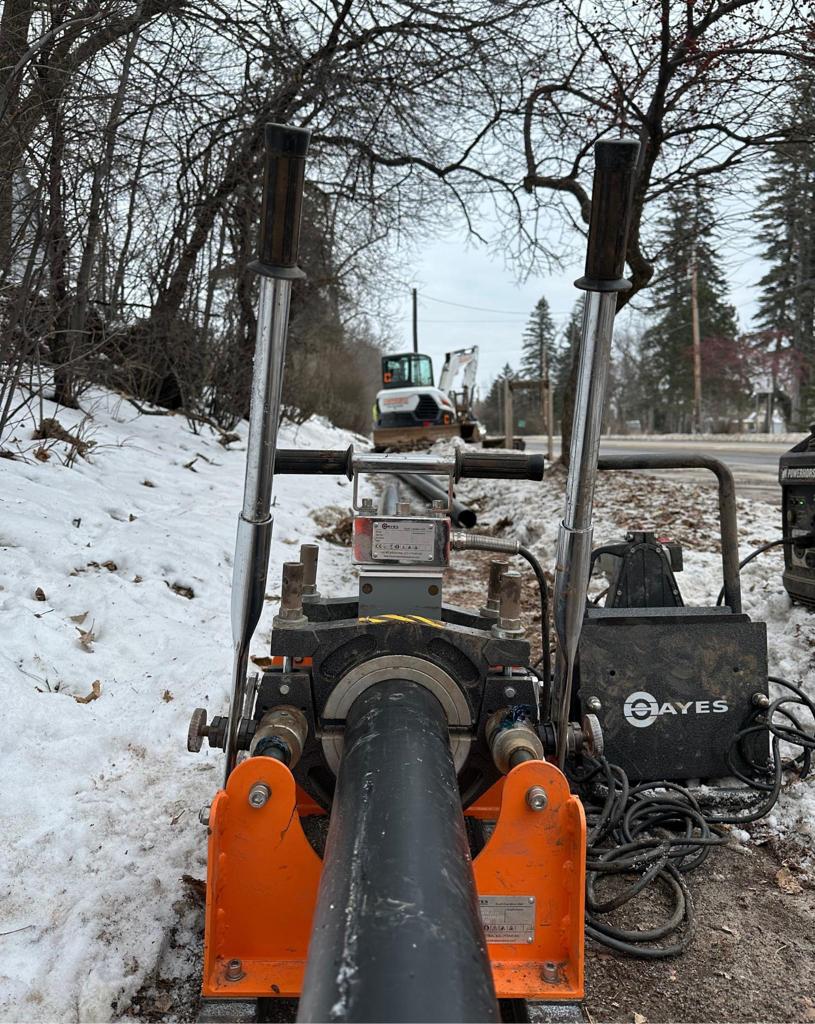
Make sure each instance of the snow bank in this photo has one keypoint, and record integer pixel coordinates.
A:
(99, 817)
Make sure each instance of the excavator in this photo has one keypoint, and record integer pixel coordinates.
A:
(410, 412)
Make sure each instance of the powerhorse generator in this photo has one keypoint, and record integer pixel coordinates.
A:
(796, 474)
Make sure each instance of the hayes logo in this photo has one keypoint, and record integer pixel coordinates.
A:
(642, 709)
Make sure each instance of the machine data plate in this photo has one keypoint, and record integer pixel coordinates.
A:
(508, 918)
(409, 539)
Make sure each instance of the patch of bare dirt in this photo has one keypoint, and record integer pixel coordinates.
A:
(752, 957)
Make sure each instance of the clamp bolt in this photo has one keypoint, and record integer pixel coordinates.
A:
(761, 700)
(258, 796)
(536, 798)
(550, 972)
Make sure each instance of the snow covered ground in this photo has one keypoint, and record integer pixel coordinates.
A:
(115, 574)
(114, 580)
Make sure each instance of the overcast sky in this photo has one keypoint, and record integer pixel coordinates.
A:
(467, 296)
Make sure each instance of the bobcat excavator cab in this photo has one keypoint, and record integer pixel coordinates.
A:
(411, 412)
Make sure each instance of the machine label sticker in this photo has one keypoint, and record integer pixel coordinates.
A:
(508, 918)
(408, 540)
(642, 709)
(798, 473)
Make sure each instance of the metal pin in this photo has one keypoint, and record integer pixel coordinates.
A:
(509, 603)
(291, 593)
(309, 554)
(498, 566)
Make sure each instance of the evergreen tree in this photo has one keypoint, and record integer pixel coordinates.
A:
(564, 371)
(538, 342)
(687, 234)
(492, 409)
(786, 312)
(536, 364)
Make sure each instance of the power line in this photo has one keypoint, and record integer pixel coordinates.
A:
(479, 309)
(488, 309)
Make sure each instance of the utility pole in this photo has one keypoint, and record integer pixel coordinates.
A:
(697, 346)
(546, 398)
(415, 322)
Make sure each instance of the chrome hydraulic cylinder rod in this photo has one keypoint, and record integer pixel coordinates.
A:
(277, 265)
(615, 162)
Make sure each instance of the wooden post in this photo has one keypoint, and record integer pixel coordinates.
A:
(509, 418)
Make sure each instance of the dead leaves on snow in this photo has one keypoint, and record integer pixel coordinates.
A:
(95, 694)
(86, 637)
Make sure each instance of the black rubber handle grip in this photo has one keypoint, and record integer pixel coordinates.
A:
(498, 466)
(615, 162)
(315, 462)
(472, 465)
(283, 182)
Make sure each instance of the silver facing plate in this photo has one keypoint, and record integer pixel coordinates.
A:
(508, 918)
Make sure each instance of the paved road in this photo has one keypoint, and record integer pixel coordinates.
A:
(754, 463)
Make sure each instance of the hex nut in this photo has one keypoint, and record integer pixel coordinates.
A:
(234, 970)
(550, 972)
(203, 815)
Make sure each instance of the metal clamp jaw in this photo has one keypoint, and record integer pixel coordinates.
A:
(423, 465)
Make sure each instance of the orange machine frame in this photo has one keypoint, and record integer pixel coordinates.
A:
(263, 876)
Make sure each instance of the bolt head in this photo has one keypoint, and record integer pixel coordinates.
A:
(203, 815)
(761, 700)
(536, 798)
(509, 692)
(594, 704)
(259, 794)
(283, 688)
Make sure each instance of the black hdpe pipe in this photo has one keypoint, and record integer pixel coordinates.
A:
(429, 488)
(397, 933)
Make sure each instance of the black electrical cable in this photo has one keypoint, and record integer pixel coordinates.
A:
(546, 656)
(806, 540)
(658, 832)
